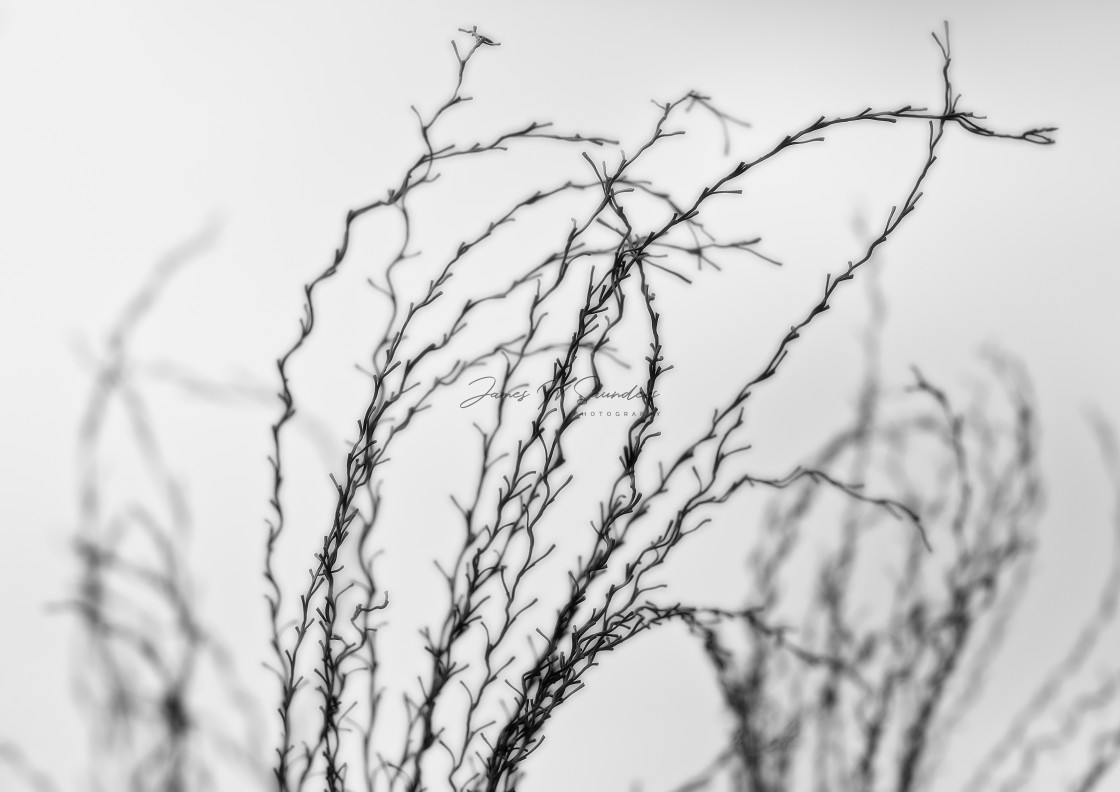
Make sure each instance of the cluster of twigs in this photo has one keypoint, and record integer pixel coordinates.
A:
(480, 708)
(144, 643)
(850, 700)
(909, 652)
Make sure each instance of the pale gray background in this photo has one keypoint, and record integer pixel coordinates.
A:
(125, 127)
